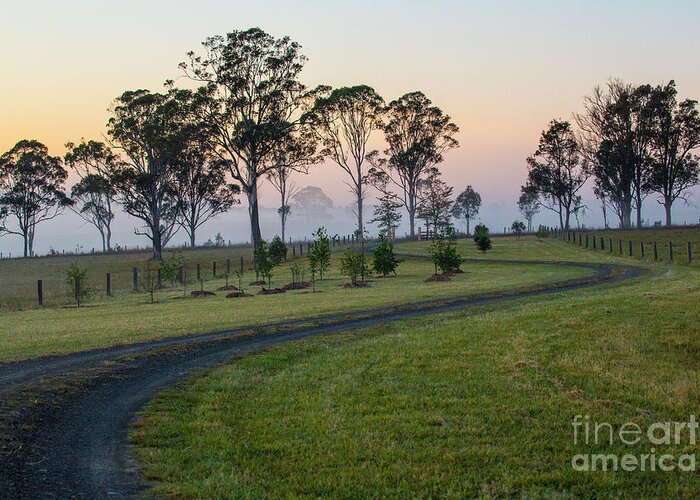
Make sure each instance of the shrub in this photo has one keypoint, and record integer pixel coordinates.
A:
(278, 250)
(443, 251)
(171, 266)
(384, 259)
(542, 232)
(295, 269)
(320, 253)
(263, 262)
(482, 238)
(354, 265)
(518, 227)
(76, 280)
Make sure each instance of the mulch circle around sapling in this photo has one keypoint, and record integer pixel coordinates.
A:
(297, 286)
(438, 278)
(357, 284)
(237, 295)
(227, 288)
(202, 293)
(271, 291)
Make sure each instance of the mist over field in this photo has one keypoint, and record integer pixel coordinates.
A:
(70, 233)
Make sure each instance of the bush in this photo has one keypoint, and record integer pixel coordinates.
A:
(542, 232)
(518, 227)
(295, 269)
(171, 266)
(354, 265)
(264, 264)
(482, 238)
(76, 280)
(443, 252)
(320, 253)
(384, 259)
(278, 250)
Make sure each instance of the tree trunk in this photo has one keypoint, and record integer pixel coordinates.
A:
(252, 194)
(668, 202)
(639, 213)
(193, 240)
(26, 244)
(468, 228)
(284, 223)
(109, 238)
(359, 211)
(411, 208)
(157, 239)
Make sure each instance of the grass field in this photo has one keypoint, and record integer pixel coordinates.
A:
(475, 403)
(129, 317)
(18, 277)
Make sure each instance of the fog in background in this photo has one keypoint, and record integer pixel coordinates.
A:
(70, 233)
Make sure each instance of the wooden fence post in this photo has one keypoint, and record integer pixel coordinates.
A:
(690, 253)
(629, 247)
(135, 279)
(670, 251)
(301, 249)
(40, 292)
(602, 244)
(213, 269)
(641, 247)
(586, 241)
(294, 251)
(656, 251)
(109, 285)
(610, 245)
(594, 242)
(620, 247)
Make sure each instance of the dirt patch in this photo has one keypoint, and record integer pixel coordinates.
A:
(258, 283)
(202, 293)
(438, 278)
(227, 288)
(297, 286)
(357, 284)
(237, 295)
(271, 291)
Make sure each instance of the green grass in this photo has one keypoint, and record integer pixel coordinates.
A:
(18, 277)
(129, 317)
(474, 403)
(680, 237)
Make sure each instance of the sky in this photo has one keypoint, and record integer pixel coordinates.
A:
(502, 70)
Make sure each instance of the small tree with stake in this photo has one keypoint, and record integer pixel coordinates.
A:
(354, 265)
(482, 238)
(264, 263)
(320, 253)
(76, 280)
(149, 280)
(171, 267)
(443, 251)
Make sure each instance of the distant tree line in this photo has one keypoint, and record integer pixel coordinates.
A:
(633, 140)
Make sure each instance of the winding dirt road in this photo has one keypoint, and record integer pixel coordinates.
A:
(64, 419)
